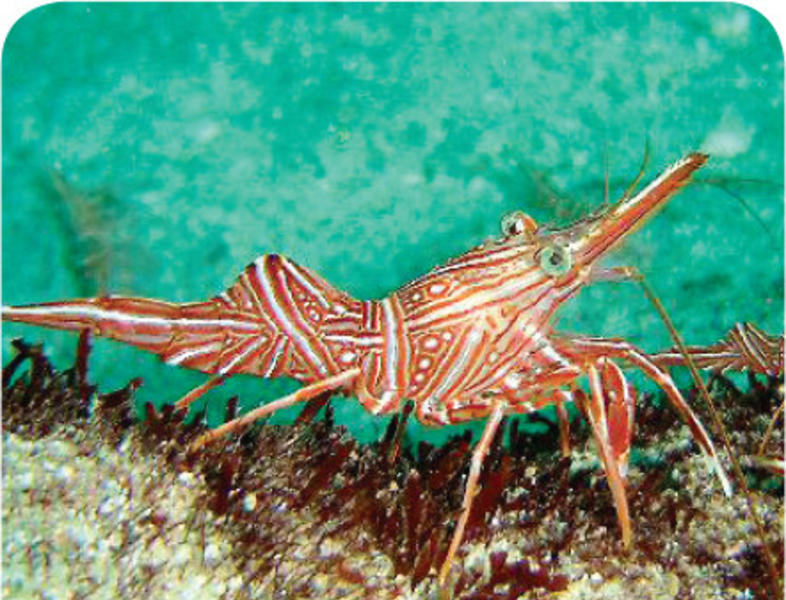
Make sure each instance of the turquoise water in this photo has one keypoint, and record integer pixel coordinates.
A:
(155, 150)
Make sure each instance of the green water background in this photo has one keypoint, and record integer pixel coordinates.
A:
(155, 150)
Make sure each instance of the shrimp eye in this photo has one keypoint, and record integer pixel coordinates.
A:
(555, 260)
(518, 223)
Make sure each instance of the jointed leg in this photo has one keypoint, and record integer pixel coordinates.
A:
(771, 427)
(303, 394)
(498, 411)
(562, 398)
(610, 418)
(662, 378)
(199, 391)
(626, 351)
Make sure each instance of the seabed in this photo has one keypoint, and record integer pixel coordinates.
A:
(96, 505)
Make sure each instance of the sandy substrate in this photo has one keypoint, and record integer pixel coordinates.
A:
(84, 519)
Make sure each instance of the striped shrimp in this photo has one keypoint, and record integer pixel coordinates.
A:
(471, 339)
